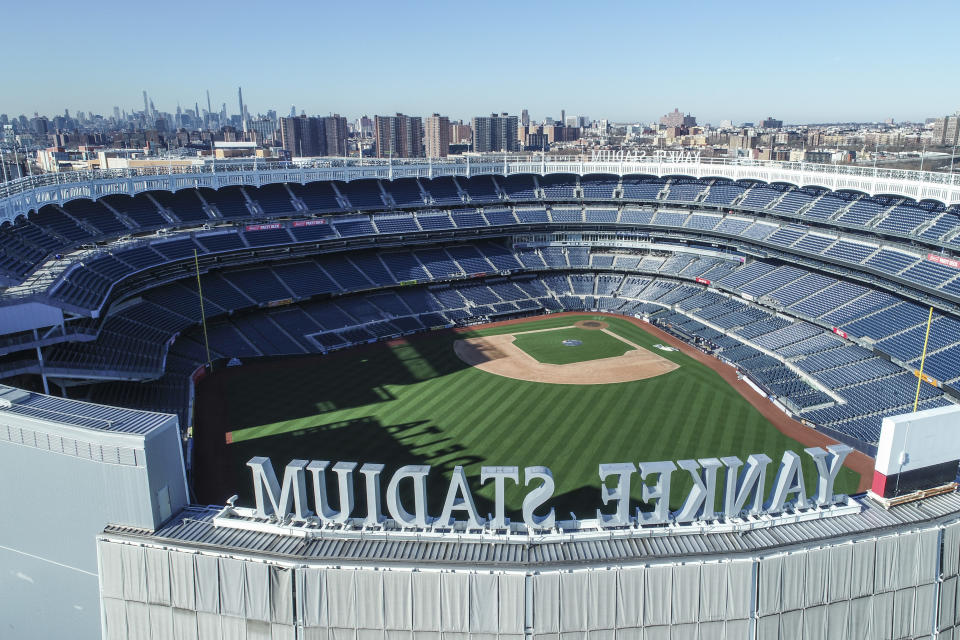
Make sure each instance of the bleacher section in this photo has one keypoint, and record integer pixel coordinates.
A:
(332, 300)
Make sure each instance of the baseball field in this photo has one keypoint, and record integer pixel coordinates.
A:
(568, 392)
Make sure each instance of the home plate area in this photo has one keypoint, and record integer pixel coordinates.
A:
(557, 356)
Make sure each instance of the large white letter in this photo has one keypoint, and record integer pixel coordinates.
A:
(371, 472)
(499, 475)
(826, 474)
(738, 489)
(537, 497)
(418, 473)
(458, 485)
(659, 491)
(320, 503)
(789, 480)
(344, 471)
(701, 501)
(294, 489)
(620, 493)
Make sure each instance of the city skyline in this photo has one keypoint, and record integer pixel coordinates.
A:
(707, 62)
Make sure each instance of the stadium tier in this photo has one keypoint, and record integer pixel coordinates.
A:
(817, 298)
(299, 268)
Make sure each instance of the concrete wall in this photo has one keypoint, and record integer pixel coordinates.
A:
(59, 487)
(29, 315)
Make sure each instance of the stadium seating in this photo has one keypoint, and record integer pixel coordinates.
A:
(838, 283)
(274, 199)
(480, 189)
(405, 192)
(318, 197)
(598, 186)
(642, 187)
(443, 191)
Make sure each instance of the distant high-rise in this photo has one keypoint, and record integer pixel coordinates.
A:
(264, 130)
(495, 133)
(302, 136)
(335, 135)
(524, 118)
(946, 131)
(460, 133)
(146, 105)
(364, 127)
(677, 119)
(243, 113)
(398, 136)
(437, 136)
(770, 123)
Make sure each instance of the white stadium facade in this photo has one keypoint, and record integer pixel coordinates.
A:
(833, 267)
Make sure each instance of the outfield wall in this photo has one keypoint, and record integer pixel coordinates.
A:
(896, 584)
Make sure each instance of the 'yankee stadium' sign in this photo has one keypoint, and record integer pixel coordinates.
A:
(743, 491)
(635, 155)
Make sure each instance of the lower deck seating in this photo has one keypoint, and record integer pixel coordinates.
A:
(329, 301)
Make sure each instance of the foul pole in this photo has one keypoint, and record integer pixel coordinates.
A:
(923, 358)
(203, 315)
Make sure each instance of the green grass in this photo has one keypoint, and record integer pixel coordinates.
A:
(548, 347)
(419, 404)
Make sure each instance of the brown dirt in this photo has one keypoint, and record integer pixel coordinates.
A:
(501, 356)
(591, 324)
(212, 477)
(808, 437)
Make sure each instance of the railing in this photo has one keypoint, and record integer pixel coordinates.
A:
(208, 167)
(19, 197)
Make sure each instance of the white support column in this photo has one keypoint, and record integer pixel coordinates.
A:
(43, 375)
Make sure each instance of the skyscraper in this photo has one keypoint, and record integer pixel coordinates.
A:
(495, 133)
(398, 136)
(243, 114)
(437, 136)
(264, 130)
(335, 135)
(524, 118)
(303, 136)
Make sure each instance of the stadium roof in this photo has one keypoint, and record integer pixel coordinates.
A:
(194, 528)
(74, 413)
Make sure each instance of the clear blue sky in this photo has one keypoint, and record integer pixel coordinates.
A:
(807, 61)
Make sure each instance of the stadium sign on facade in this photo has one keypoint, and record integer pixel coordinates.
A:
(639, 155)
(743, 492)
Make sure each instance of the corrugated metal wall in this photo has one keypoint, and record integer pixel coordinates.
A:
(898, 586)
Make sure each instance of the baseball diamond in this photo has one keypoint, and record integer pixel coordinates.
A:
(408, 402)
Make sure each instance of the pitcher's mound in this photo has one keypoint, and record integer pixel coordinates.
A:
(499, 355)
(591, 324)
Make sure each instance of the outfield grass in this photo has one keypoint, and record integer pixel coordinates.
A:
(548, 347)
(419, 404)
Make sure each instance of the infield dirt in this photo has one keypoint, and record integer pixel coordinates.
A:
(501, 356)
